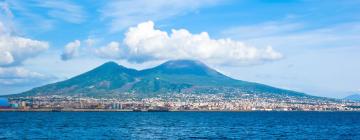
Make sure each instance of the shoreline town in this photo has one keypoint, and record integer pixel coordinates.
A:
(178, 102)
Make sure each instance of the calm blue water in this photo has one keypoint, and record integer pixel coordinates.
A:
(184, 125)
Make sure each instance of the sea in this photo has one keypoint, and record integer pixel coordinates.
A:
(180, 125)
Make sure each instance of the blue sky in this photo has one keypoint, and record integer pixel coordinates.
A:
(303, 45)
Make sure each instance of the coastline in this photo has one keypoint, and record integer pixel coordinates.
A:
(108, 110)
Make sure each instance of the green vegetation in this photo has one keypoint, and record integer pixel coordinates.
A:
(178, 76)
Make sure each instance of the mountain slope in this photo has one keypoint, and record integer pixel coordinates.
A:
(354, 97)
(102, 79)
(177, 76)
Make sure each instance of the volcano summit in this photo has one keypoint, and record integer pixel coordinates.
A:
(171, 77)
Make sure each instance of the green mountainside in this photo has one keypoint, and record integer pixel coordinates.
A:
(353, 97)
(176, 76)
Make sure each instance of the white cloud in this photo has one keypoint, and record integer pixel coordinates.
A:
(291, 35)
(6, 19)
(5, 8)
(2, 28)
(90, 42)
(71, 50)
(262, 29)
(64, 10)
(37, 16)
(5, 13)
(111, 50)
(145, 43)
(18, 72)
(19, 75)
(123, 14)
(6, 58)
(14, 49)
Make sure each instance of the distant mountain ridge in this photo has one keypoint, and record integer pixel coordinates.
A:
(175, 76)
(354, 97)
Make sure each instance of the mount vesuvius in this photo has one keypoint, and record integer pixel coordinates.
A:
(171, 77)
